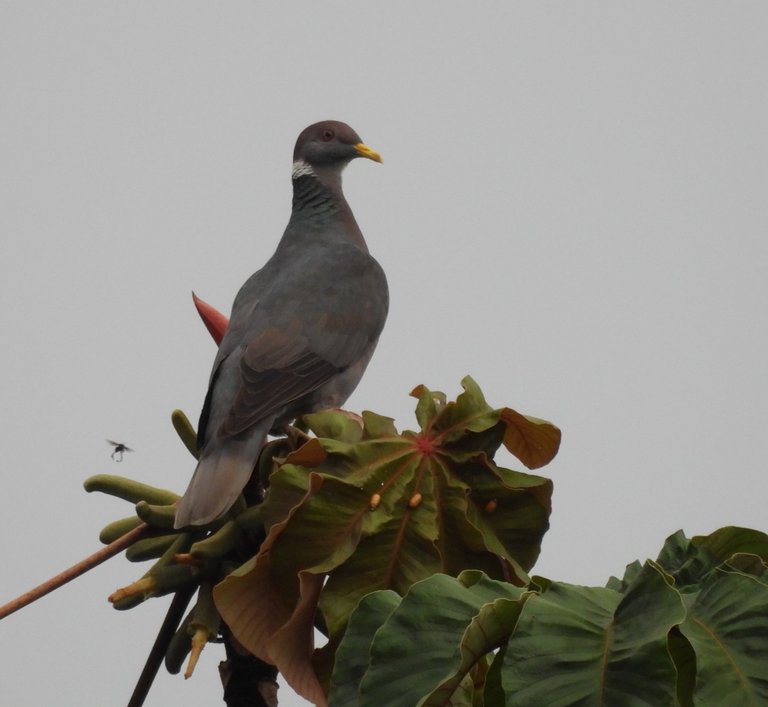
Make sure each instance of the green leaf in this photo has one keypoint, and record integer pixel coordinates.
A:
(377, 426)
(430, 641)
(640, 643)
(687, 563)
(691, 561)
(469, 413)
(685, 663)
(493, 694)
(748, 564)
(488, 629)
(631, 572)
(728, 541)
(352, 656)
(596, 646)
(727, 626)
(429, 404)
(335, 424)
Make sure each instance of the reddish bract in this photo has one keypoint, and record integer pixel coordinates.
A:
(215, 322)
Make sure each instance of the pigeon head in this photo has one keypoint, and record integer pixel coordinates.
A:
(325, 148)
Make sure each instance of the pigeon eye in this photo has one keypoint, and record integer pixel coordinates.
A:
(328, 135)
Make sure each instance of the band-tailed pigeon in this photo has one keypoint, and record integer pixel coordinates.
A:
(302, 328)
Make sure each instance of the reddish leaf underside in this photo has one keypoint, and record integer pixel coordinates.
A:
(534, 442)
(275, 624)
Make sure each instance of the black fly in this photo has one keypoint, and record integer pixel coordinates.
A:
(119, 450)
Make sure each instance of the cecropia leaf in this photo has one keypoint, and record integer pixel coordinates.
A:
(367, 508)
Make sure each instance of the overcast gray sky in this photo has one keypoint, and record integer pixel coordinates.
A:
(572, 209)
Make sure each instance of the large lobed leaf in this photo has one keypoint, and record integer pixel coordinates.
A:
(597, 646)
(646, 640)
(476, 615)
(362, 508)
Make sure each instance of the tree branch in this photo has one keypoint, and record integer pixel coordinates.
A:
(75, 571)
(248, 681)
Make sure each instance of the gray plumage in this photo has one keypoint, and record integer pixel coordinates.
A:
(302, 328)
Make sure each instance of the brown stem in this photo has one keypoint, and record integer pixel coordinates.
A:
(76, 570)
(248, 681)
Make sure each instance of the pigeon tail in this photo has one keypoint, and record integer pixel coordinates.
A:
(219, 478)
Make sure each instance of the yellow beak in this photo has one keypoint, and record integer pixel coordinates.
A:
(367, 152)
